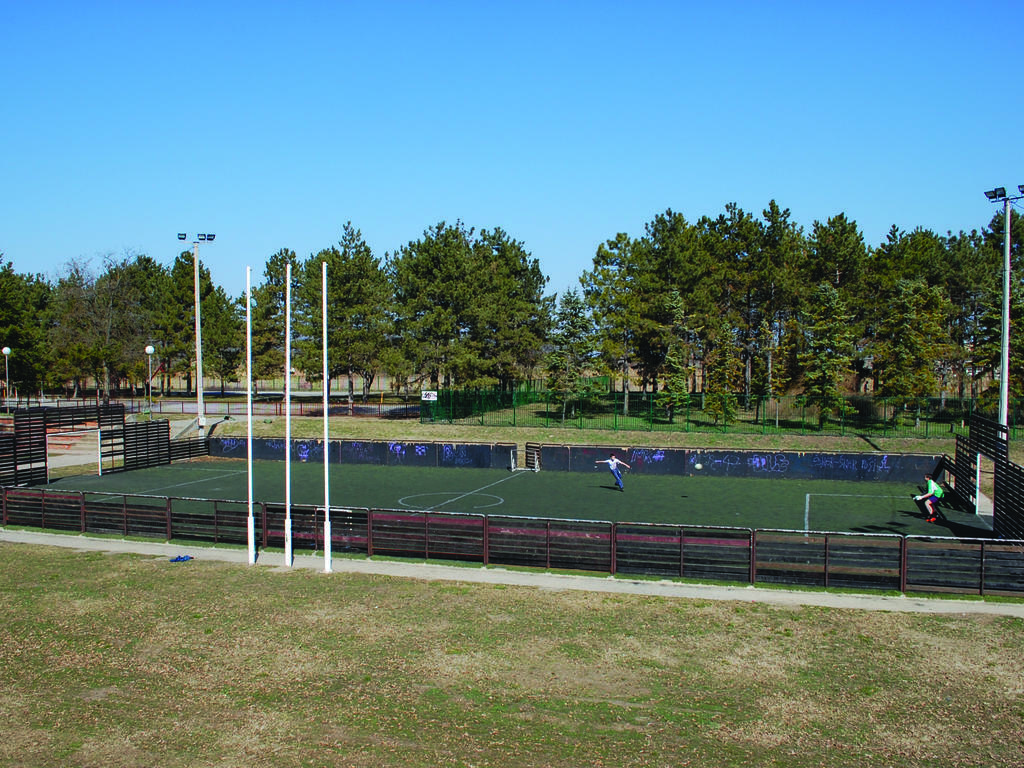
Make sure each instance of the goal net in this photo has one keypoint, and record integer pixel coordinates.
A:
(76, 452)
(532, 459)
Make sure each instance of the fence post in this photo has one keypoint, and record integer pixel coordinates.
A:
(826, 561)
(614, 535)
(981, 574)
(369, 533)
(903, 564)
(487, 539)
(752, 549)
(547, 545)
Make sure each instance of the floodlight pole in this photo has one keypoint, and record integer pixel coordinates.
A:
(200, 408)
(7, 381)
(999, 194)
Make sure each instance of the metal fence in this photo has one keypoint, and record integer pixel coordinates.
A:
(642, 411)
(755, 556)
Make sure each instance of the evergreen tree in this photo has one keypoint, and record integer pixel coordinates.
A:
(23, 308)
(511, 315)
(573, 350)
(358, 297)
(268, 315)
(432, 280)
(618, 265)
(723, 371)
(910, 341)
(827, 352)
(675, 395)
(223, 336)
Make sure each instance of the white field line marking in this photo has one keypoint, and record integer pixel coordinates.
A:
(807, 502)
(470, 493)
(190, 482)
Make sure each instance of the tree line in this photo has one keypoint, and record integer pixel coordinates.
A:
(730, 306)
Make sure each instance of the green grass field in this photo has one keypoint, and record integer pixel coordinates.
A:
(707, 501)
(133, 661)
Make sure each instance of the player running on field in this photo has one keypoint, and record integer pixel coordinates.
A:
(613, 464)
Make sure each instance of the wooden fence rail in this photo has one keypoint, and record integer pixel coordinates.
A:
(800, 558)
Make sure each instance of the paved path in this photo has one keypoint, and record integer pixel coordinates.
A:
(540, 580)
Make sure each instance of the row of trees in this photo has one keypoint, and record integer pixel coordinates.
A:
(726, 306)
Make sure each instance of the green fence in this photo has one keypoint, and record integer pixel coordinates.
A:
(869, 416)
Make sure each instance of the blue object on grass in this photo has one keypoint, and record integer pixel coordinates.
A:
(181, 558)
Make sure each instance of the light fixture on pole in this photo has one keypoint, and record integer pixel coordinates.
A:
(200, 409)
(999, 195)
(150, 349)
(7, 380)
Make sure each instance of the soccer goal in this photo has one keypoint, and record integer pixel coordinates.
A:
(532, 456)
(80, 448)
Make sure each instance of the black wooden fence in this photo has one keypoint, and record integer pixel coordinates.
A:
(755, 556)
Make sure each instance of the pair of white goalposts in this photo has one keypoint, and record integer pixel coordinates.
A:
(250, 520)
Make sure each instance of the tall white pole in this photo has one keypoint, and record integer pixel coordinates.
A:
(288, 414)
(250, 523)
(7, 381)
(200, 413)
(1004, 363)
(327, 430)
(149, 382)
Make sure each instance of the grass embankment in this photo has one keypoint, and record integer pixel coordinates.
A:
(345, 427)
(120, 660)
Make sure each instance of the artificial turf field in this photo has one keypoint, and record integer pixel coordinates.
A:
(816, 505)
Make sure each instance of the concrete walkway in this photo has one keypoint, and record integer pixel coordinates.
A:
(539, 580)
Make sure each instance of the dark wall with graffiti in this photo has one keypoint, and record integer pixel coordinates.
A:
(873, 467)
(384, 453)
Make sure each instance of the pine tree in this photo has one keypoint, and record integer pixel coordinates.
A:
(827, 352)
(723, 372)
(574, 348)
(675, 394)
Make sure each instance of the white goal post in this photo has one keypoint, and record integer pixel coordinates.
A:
(74, 448)
(532, 456)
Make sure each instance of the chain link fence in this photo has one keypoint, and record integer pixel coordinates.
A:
(731, 414)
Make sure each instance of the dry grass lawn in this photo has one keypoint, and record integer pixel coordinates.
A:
(120, 660)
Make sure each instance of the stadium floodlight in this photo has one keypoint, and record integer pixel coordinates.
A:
(200, 409)
(994, 195)
(150, 349)
(7, 380)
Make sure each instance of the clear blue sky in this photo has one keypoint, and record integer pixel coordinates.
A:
(271, 124)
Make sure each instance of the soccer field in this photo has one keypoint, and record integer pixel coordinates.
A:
(815, 505)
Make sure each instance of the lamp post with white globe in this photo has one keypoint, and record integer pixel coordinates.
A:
(150, 349)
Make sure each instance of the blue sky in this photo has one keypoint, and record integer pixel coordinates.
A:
(271, 124)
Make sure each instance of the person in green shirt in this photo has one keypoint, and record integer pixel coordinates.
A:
(930, 498)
